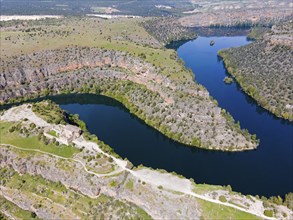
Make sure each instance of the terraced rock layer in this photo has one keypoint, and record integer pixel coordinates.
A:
(184, 112)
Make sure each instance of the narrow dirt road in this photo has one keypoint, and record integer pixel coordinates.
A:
(167, 181)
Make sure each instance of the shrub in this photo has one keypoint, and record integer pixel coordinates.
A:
(12, 129)
(32, 125)
(222, 199)
(289, 200)
(33, 215)
(269, 213)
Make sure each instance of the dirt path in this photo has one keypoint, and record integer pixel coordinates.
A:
(71, 159)
(155, 178)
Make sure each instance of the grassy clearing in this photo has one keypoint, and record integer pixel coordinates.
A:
(205, 188)
(74, 31)
(216, 211)
(32, 142)
(53, 133)
(129, 185)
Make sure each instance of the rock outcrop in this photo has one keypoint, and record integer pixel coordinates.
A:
(183, 112)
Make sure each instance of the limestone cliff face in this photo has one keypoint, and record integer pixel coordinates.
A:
(53, 69)
(39, 66)
(182, 111)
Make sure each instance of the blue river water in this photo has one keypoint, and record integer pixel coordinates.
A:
(266, 171)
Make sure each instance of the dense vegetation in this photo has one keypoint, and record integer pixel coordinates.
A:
(264, 69)
(257, 33)
(53, 114)
(228, 80)
(50, 112)
(168, 30)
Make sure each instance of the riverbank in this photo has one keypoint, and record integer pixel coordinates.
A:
(155, 182)
(251, 91)
(257, 69)
(146, 77)
(274, 134)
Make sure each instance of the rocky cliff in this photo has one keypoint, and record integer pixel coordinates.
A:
(184, 111)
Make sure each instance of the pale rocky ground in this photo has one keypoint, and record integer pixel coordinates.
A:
(233, 13)
(156, 192)
(107, 16)
(27, 17)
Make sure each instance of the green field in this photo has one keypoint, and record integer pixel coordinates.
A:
(216, 211)
(32, 142)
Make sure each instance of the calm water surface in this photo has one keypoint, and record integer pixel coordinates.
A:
(266, 171)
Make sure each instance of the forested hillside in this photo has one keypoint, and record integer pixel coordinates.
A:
(264, 69)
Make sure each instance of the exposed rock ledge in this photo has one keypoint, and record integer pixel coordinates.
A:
(183, 112)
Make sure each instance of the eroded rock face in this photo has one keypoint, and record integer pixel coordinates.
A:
(183, 111)
(74, 177)
(39, 66)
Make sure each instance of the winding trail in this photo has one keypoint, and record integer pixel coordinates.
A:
(144, 177)
(65, 158)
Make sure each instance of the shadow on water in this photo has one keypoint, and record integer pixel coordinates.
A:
(74, 98)
(176, 44)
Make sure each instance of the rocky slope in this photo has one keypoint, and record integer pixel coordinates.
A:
(264, 69)
(145, 196)
(184, 112)
(50, 183)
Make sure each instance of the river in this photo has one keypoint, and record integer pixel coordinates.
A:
(266, 171)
